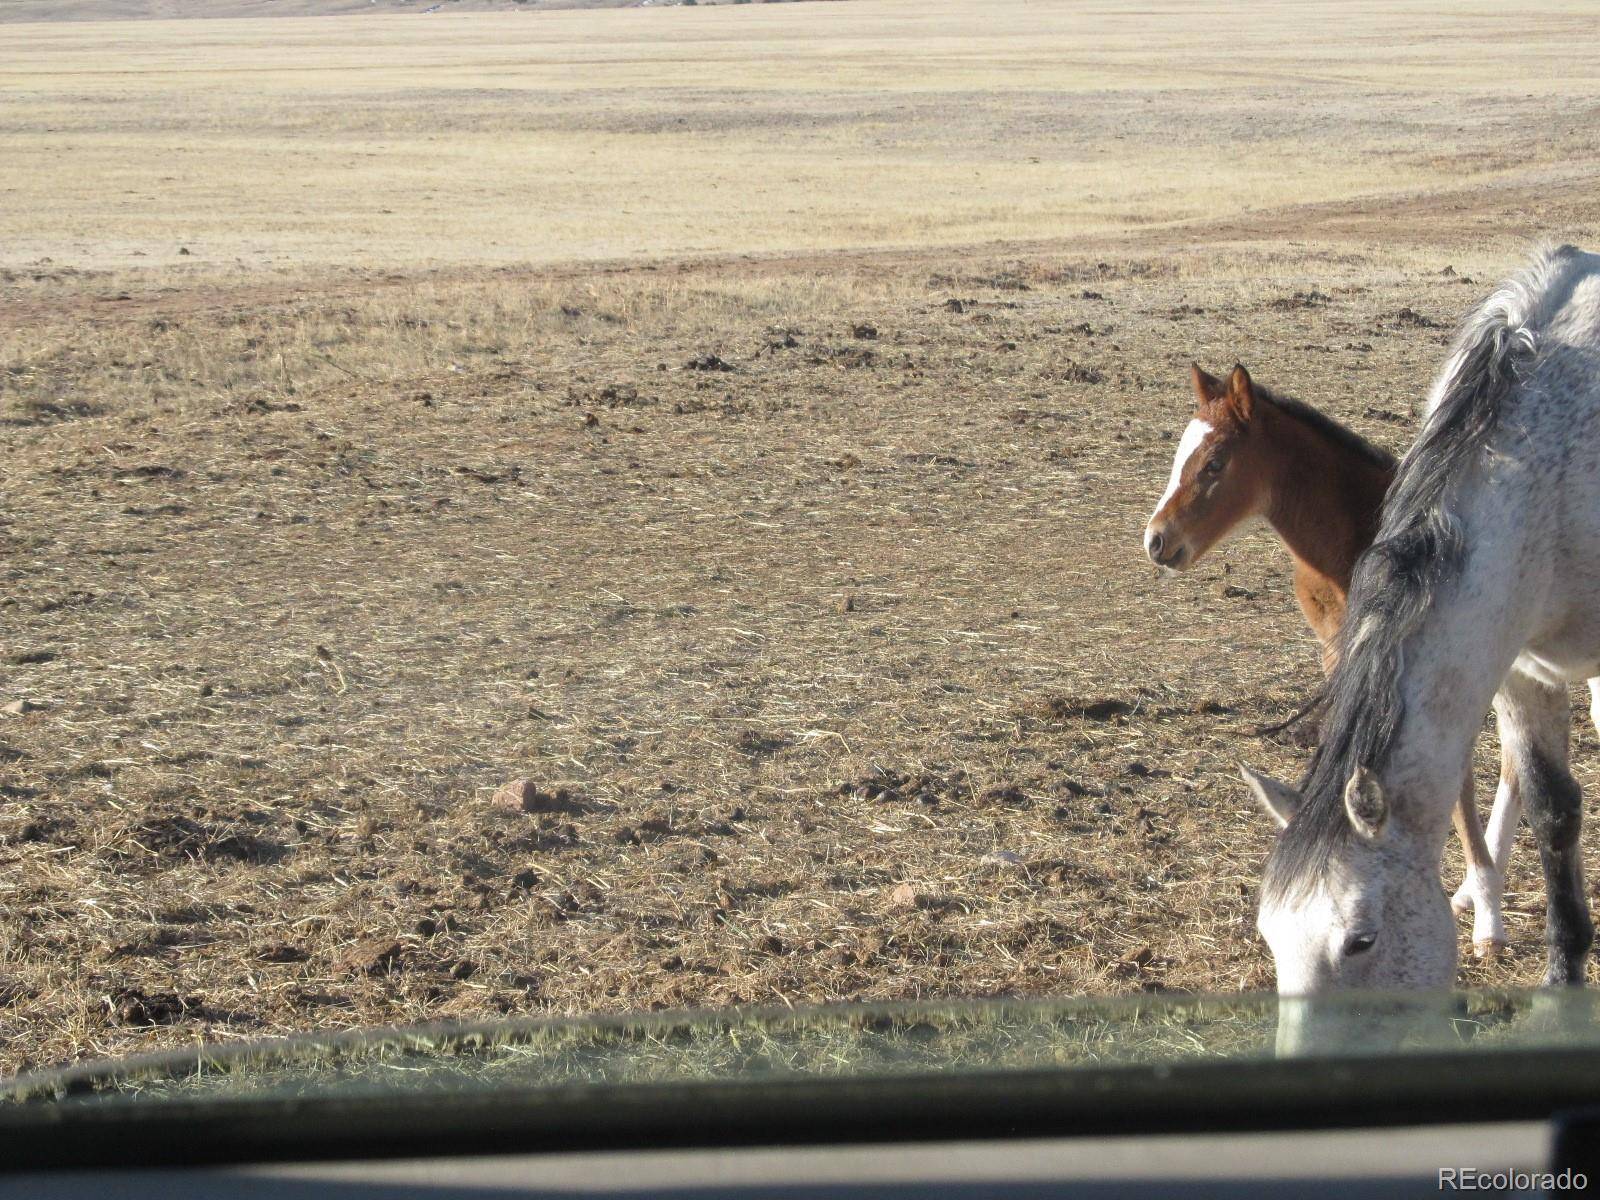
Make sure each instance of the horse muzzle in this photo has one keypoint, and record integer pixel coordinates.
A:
(1163, 550)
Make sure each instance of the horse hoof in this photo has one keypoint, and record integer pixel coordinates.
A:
(1488, 949)
(1461, 903)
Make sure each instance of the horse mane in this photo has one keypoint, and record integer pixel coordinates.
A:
(1418, 552)
(1340, 435)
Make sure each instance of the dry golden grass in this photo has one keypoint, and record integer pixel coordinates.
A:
(493, 138)
(846, 659)
(30, 11)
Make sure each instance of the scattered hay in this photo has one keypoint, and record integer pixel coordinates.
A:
(761, 648)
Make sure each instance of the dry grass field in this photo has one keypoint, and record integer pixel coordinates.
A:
(37, 11)
(739, 423)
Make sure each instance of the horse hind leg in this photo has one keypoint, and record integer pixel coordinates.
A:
(1483, 890)
(1535, 725)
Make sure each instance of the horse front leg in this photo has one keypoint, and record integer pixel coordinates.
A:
(1535, 726)
(1483, 890)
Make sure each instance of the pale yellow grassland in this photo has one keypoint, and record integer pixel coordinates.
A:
(491, 138)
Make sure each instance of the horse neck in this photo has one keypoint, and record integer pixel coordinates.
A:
(1324, 497)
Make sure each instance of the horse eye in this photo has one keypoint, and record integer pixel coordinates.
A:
(1359, 943)
(1214, 466)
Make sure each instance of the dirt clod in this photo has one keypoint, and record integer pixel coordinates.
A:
(1308, 299)
(133, 1006)
(372, 956)
(281, 952)
(1065, 708)
(524, 796)
(1409, 316)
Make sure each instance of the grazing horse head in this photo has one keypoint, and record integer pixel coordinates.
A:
(1218, 477)
(1351, 900)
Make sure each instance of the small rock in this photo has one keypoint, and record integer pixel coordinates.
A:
(904, 896)
(184, 250)
(1009, 859)
(520, 795)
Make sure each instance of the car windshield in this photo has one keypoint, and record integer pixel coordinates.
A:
(538, 518)
(852, 1042)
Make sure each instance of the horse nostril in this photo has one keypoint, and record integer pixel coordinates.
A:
(1155, 544)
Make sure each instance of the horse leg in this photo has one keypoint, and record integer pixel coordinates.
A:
(1507, 815)
(1485, 882)
(1484, 888)
(1535, 726)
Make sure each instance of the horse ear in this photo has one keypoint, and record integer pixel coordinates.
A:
(1241, 394)
(1207, 387)
(1278, 800)
(1365, 803)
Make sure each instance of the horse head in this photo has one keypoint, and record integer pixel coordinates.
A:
(1218, 477)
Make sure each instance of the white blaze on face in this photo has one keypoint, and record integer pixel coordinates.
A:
(1302, 938)
(1193, 437)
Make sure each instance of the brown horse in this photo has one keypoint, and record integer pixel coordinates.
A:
(1249, 453)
